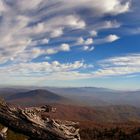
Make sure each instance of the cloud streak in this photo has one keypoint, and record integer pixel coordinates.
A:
(33, 23)
(123, 65)
(41, 29)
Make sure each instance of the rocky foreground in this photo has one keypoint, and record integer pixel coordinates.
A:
(29, 121)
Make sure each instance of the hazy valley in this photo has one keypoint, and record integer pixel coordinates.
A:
(102, 113)
(85, 96)
(86, 104)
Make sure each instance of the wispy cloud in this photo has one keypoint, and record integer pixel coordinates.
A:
(41, 69)
(35, 22)
(115, 66)
(88, 48)
(38, 28)
(63, 47)
(107, 39)
(122, 65)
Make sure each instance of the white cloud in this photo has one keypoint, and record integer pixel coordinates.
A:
(88, 48)
(111, 38)
(51, 51)
(28, 5)
(127, 60)
(81, 41)
(56, 33)
(56, 25)
(27, 29)
(74, 21)
(2, 7)
(115, 66)
(41, 68)
(85, 48)
(93, 33)
(43, 41)
(121, 65)
(107, 25)
(64, 47)
(101, 7)
(107, 39)
(17, 38)
(114, 7)
(88, 41)
(121, 8)
(26, 23)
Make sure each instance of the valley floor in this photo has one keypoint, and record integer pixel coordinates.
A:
(93, 131)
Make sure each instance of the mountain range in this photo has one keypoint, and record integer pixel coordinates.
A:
(94, 96)
(35, 97)
(83, 104)
(85, 96)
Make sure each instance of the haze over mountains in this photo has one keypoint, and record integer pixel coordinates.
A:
(87, 96)
(35, 97)
(84, 104)
(94, 96)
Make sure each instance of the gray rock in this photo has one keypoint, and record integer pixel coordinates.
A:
(28, 121)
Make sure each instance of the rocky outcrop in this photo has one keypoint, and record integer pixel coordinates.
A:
(28, 121)
(3, 133)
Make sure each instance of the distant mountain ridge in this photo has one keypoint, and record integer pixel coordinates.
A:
(95, 96)
(35, 97)
(35, 93)
(87, 96)
(100, 104)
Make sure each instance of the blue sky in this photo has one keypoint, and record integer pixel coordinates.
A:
(70, 43)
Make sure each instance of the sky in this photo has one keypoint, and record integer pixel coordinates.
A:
(70, 43)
